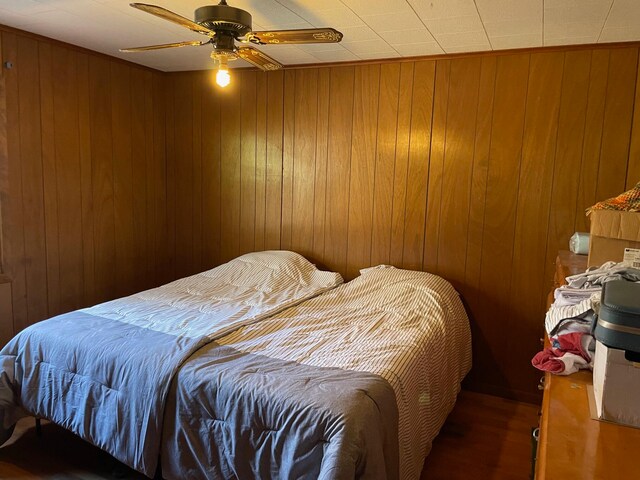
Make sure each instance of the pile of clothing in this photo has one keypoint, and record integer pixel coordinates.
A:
(570, 319)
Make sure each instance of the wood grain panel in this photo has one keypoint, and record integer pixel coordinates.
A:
(84, 133)
(471, 291)
(211, 205)
(476, 168)
(500, 215)
(32, 180)
(141, 162)
(363, 164)
(160, 208)
(122, 178)
(168, 93)
(418, 168)
(67, 168)
(616, 128)
(12, 214)
(339, 166)
(49, 180)
(183, 175)
(387, 118)
(591, 149)
(305, 116)
(6, 300)
(633, 170)
(69, 238)
(275, 118)
(482, 144)
(261, 160)
(320, 181)
(248, 162)
(230, 173)
(436, 165)
(4, 170)
(401, 165)
(571, 127)
(288, 157)
(102, 180)
(196, 172)
(536, 179)
(457, 170)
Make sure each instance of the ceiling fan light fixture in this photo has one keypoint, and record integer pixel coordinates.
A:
(225, 25)
(223, 78)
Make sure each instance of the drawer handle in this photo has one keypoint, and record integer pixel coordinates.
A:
(541, 383)
(536, 434)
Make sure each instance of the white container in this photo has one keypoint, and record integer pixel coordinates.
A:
(616, 386)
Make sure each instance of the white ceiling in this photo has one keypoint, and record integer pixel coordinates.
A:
(372, 29)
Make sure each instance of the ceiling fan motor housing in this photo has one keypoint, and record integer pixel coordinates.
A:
(224, 18)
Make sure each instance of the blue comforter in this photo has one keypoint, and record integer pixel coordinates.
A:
(102, 379)
(104, 372)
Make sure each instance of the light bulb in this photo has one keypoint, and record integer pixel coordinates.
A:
(222, 76)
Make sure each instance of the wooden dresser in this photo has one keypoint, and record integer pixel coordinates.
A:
(571, 444)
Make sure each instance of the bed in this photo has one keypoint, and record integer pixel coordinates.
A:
(104, 372)
(354, 383)
(264, 367)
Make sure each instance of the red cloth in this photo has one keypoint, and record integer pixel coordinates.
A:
(548, 361)
(571, 343)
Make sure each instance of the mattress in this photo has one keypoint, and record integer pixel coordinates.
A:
(369, 371)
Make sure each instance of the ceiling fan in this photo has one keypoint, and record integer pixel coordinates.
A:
(224, 25)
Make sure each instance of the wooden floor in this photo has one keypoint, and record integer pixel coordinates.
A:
(484, 438)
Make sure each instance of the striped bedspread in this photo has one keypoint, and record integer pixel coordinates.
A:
(374, 367)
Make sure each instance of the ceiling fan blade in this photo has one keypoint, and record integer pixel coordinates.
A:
(257, 58)
(194, 43)
(173, 17)
(309, 35)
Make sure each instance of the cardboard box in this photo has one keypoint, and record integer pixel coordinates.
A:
(616, 386)
(611, 232)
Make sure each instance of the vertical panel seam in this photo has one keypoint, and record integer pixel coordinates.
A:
(315, 162)
(604, 115)
(473, 166)
(553, 176)
(326, 168)
(486, 185)
(395, 160)
(255, 162)
(584, 129)
(633, 113)
(375, 165)
(24, 248)
(442, 170)
(82, 204)
(46, 277)
(353, 103)
(517, 202)
(113, 176)
(406, 183)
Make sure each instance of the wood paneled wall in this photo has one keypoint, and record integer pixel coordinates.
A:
(478, 169)
(82, 178)
(115, 178)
